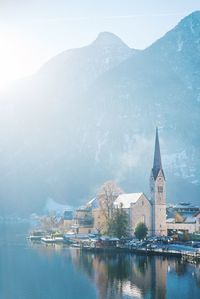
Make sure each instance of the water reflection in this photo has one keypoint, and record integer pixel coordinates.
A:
(123, 276)
(128, 276)
(29, 271)
(118, 275)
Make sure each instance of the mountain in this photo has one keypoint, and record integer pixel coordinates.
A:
(72, 72)
(90, 114)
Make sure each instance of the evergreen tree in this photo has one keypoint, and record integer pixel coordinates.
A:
(118, 224)
(141, 231)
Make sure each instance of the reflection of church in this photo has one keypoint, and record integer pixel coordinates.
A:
(118, 275)
(124, 276)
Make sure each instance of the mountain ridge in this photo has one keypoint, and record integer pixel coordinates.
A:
(92, 117)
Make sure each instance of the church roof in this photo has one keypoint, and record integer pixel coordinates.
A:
(126, 199)
(157, 163)
(93, 203)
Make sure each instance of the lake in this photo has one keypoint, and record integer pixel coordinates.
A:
(38, 271)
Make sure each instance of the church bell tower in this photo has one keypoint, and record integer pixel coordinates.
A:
(158, 193)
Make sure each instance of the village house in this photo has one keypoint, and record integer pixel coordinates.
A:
(183, 217)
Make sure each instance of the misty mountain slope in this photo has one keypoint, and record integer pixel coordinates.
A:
(75, 70)
(162, 84)
(90, 115)
(70, 73)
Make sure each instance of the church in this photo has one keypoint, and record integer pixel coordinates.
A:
(140, 208)
(151, 211)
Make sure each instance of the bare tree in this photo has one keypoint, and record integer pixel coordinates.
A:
(48, 223)
(106, 196)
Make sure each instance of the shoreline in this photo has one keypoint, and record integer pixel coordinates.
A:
(186, 256)
(190, 257)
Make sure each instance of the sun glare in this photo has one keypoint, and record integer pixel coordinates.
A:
(17, 58)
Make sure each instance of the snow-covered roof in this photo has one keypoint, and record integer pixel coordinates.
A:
(93, 203)
(187, 220)
(170, 220)
(108, 238)
(127, 199)
(190, 220)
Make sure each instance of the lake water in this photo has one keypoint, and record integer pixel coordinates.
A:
(46, 272)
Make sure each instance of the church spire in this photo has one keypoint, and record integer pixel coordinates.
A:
(157, 164)
(158, 193)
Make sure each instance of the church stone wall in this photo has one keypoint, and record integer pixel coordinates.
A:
(140, 212)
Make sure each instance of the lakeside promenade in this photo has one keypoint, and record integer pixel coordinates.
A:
(181, 253)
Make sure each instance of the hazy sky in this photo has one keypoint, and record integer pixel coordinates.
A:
(32, 31)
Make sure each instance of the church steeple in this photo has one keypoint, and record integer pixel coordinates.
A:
(158, 193)
(157, 163)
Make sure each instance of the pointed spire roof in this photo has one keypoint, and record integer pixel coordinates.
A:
(157, 163)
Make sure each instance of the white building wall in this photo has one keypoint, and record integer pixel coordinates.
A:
(158, 199)
(189, 227)
(198, 223)
(140, 212)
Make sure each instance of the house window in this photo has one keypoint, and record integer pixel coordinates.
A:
(160, 189)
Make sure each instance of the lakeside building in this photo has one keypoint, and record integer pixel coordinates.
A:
(67, 219)
(183, 217)
(83, 220)
(153, 212)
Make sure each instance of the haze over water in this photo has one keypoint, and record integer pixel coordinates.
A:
(36, 271)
